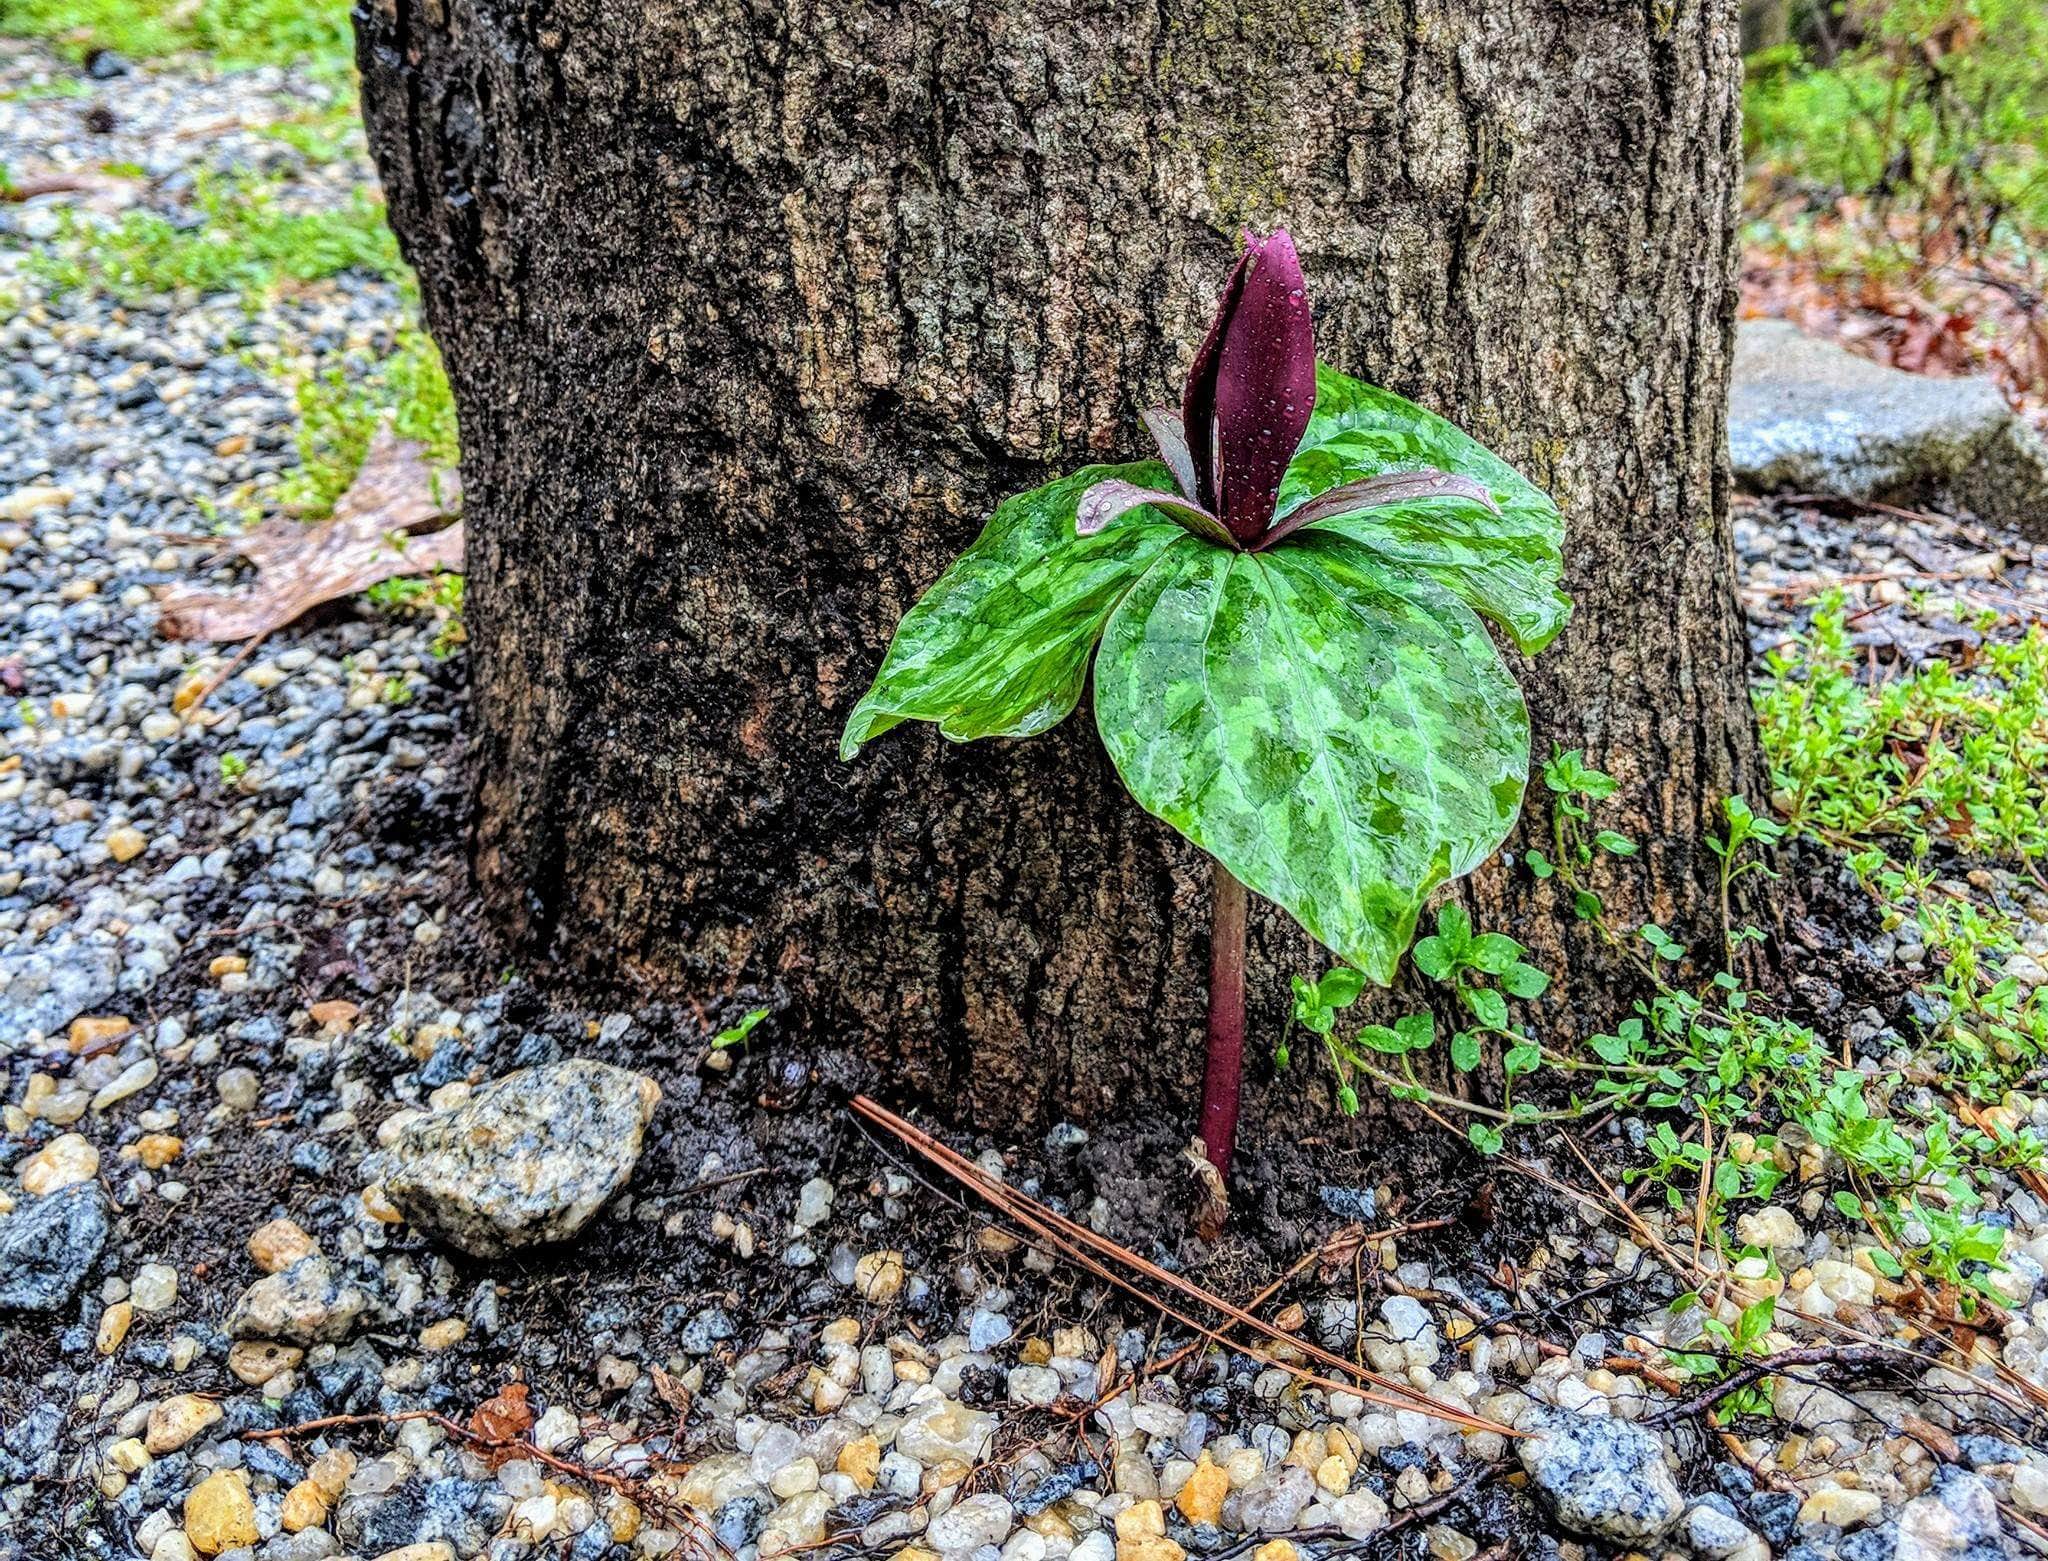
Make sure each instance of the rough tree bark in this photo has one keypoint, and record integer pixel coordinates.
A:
(752, 310)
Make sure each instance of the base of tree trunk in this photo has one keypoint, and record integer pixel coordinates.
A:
(750, 324)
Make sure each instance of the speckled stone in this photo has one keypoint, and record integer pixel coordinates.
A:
(1603, 1478)
(528, 1158)
(48, 1245)
(309, 1303)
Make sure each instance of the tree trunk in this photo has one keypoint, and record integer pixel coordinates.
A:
(752, 312)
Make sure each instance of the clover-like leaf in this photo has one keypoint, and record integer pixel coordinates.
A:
(1382, 1038)
(1342, 741)
(1488, 1006)
(999, 646)
(1503, 562)
(1341, 986)
(1494, 953)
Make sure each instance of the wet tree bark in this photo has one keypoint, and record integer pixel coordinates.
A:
(752, 311)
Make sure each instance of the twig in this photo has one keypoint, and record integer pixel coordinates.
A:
(635, 1491)
(1083, 1246)
(208, 688)
(36, 185)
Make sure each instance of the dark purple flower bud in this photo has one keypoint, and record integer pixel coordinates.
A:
(1252, 387)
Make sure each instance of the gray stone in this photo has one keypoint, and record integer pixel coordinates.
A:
(986, 1330)
(308, 1303)
(1956, 1521)
(1599, 1477)
(1713, 1534)
(47, 1246)
(1271, 1503)
(970, 1523)
(528, 1158)
(42, 991)
(1807, 416)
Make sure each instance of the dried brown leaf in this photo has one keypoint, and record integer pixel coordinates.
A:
(1212, 1197)
(382, 527)
(506, 1417)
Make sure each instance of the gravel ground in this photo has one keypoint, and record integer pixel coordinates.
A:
(266, 1170)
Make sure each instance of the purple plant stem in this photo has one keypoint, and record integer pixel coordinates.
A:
(1223, 1078)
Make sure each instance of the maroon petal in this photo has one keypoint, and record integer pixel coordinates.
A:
(1172, 439)
(1370, 492)
(1109, 501)
(1265, 386)
(1198, 400)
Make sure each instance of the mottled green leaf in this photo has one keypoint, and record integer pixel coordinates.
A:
(1341, 741)
(1505, 565)
(999, 646)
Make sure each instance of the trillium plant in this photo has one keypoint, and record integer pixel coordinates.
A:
(1283, 613)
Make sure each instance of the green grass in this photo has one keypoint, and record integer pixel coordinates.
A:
(249, 242)
(320, 135)
(341, 406)
(233, 34)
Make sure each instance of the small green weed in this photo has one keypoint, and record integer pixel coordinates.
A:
(736, 1035)
(441, 596)
(1705, 1054)
(1937, 752)
(341, 405)
(1747, 1341)
(1896, 771)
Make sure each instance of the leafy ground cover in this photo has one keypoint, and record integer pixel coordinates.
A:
(1918, 782)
